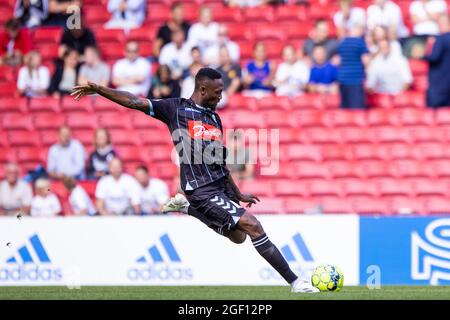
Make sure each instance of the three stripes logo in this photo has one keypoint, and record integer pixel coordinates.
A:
(230, 206)
(161, 262)
(31, 262)
(300, 247)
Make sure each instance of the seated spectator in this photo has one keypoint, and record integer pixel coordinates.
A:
(117, 193)
(292, 74)
(44, 203)
(188, 84)
(211, 55)
(324, 75)
(204, 33)
(93, 69)
(438, 93)
(320, 36)
(239, 160)
(425, 14)
(347, 17)
(153, 192)
(163, 86)
(126, 14)
(66, 157)
(387, 14)
(15, 42)
(102, 155)
(34, 78)
(259, 73)
(388, 73)
(231, 75)
(65, 76)
(378, 34)
(31, 13)
(79, 201)
(59, 11)
(15, 194)
(132, 73)
(176, 54)
(76, 39)
(353, 56)
(176, 22)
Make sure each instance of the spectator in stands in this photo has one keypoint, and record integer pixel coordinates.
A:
(211, 55)
(102, 155)
(347, 17)
(259, 73)
(176, 54)
(176, 22)
(93, 69)
(133, 73)
(353, 56)
(204, 33)
(163, 86)
(188, 83)
(239, 160)
(292, 74)
(231, 75)
(34, 78)
(126, 14)
(425, 15)
(60, 10)
(117, 193)
(14, 43)
(79, 201)
(65, 75)
(388, 73)
(153, 192)
(387, 14)
(31, 13)
(44, 203)
(324, 75)
(76, 39)
(15, 194)
(438, 94)
(66, 157)
(378, 34)
(320, 36)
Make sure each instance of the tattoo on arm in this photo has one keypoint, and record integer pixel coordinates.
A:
(124, 98)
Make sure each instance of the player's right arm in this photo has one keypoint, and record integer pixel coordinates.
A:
(123, 98)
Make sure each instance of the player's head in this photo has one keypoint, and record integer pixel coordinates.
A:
(208, 87)
(11, 173)
(64, 135)
(115, 168)
(142, 176)
(12, 27)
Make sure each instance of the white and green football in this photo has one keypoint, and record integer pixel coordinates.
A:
(327, 277)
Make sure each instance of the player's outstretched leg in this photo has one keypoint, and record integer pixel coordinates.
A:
(251, 226)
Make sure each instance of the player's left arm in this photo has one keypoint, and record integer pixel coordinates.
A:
(242, 197)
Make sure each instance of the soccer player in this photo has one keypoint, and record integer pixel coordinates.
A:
(211, 194)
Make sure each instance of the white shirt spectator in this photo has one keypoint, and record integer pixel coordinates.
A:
(154, 196)
(421, 11)
(124, 68)
(79, 200)
(16, 197)
(35, 82)
(388, 74)
(69, 160)
(187, 87)
(132, 17)
(203, 36)
(178, 59)
(45, 206)
(357, 17)
(97, 73)
(211, 55)
(118, 195)
(388, 16)
(293, 78)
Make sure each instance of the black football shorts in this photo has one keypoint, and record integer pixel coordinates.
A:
(216, 205)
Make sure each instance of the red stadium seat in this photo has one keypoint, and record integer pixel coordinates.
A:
(24, 138)
(238, 101)
(47, 35)
(273, 102)
(48, 51)
(275, 119)
(114, 120)
(309, 101)
(390, 134)
(372, 168)
(443, 116)
(353, 134)
(44, 104)
(268, 32)
(422, 134)
(307, 118)
(370, 205)
(110, 35)
(48, 121)
(358, 187)
(124, 137)
(96, 16)
(335, 205)
(129, 153)
(141, 34)
(319, 136)
(414, 116)
(158, 13)
(268, 205)
(89, 186)
(381, 117)
(152, 136)
(101, 104)
(33, 155)
(227, 14)
(8, 90)
(4, 142)
(324, 188)
(300, 205)
(81, 121)
(365, 152)
(259, 188)
(164, 170)
(341, 169)
(402, 204)
(290, 13)
(429, 151)
(390, 186)
(418, 67)
(158, 153)
(112, 51)
(246, 119)
(306, 169)
(13, 121)
(302, 152)
(13, 105)
(69, 104)
(336, 118)
(408, 168)
(335, 152)
(285, 188)
(427, 187)
(48, 137)
(436, 205)
(298, 31)
(259, 14)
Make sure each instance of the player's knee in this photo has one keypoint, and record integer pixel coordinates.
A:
(252, 226)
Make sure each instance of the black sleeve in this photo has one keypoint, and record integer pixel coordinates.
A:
(163, 109)
(56, 77)
(90, 39)
(176, 90)
(66, 38)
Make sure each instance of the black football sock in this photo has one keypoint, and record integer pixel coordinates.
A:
(271, 253)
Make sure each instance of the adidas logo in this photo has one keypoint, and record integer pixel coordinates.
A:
(155, 266)
(35, 254)
(301, 248)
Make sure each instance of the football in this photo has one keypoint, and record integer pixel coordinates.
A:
(327, 277)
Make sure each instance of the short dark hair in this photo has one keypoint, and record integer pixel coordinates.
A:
(12, 24)
(142, 167)
(207, 73)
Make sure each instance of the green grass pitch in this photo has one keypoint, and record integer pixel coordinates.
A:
(222, 293)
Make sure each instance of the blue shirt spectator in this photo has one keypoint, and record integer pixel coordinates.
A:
(324, 75)
(259, 71)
